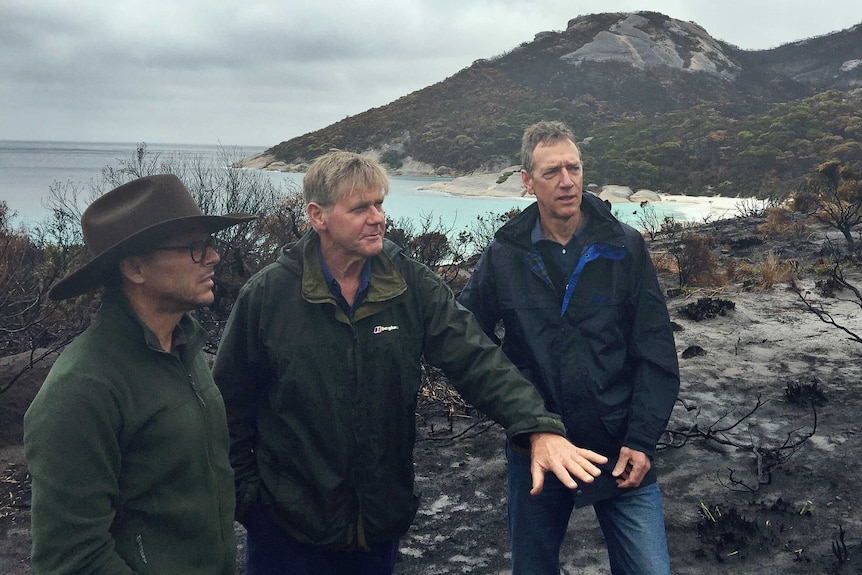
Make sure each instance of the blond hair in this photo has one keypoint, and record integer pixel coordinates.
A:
(337, 173)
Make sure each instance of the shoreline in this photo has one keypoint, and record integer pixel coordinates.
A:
(487, 185)
(506, 183)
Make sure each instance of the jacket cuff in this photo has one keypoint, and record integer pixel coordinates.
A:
(645, 446)
(519, 433)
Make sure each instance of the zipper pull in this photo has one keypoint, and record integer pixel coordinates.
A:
(197, 392)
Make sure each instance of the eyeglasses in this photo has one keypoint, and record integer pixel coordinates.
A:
(197, 250)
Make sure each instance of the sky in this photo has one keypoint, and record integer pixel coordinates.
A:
(257, 72)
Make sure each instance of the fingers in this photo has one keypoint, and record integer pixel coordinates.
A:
(538, 479)
(569, 466)
(631, 468)
(623, 464)
(582, 464)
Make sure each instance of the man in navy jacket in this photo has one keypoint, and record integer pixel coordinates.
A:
(586, 322)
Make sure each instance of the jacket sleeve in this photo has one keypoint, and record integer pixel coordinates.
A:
(480, 297)
(652, 347)
(240, 374)
(478, 368)
(71, 442)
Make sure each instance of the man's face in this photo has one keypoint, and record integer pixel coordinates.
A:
(173, 280)
(352, 228)
(556, 180)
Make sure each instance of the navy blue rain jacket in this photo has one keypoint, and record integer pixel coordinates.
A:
(604, 357)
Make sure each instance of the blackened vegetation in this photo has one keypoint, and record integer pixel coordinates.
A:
(746, 242)
(732, 430)
(728, 534)
(692, 351)
(827, 287)
(805, 394)
(839, 549)
(14, 495)
(707, 308)
(440, 411)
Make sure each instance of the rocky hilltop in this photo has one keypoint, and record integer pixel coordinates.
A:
(671, 44)
(682, 102)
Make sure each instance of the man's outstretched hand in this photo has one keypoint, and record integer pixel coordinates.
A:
(552, 452)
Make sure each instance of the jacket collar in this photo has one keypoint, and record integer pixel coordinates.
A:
(302, 259)
(604, 227)
(118, 312)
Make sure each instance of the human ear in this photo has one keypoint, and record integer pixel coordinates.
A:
(132, 269)
(316, 217)
(527, 180)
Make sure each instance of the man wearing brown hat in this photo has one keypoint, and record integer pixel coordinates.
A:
(126, 440)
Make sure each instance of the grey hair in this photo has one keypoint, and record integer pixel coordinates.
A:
(544, 132)
(337, 173)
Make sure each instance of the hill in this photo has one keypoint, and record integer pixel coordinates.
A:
(657, 102)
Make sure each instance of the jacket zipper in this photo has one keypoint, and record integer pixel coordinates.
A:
(360, 527)
(140, 541)
(196, 390)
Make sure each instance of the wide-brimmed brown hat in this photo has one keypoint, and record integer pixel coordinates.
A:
(131, 217)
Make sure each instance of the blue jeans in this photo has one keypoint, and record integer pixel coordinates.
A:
(632, 523)
(271, 551)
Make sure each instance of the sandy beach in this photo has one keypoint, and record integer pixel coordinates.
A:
(494, 185)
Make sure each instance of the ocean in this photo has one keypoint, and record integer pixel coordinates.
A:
(29, 169)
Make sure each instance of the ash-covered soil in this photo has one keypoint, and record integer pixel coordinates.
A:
(759, 472)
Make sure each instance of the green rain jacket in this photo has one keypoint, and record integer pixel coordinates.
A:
(321, 407)
(128, 452)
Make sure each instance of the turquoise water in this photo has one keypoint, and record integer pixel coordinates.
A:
(457, 213)
(29, 169)
(406, 200)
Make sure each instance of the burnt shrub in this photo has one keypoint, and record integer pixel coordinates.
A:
(695, 261)
(707, 308)
(725, 533)
(805, 394)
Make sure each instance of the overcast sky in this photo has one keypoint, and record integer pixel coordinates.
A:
(257, 72)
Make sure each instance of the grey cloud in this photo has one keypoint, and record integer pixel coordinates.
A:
(259, 71)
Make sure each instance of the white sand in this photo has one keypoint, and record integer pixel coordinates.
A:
(707, 207)
(485, 185)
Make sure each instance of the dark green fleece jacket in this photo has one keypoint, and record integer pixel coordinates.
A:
(128, 452)
(321, 406)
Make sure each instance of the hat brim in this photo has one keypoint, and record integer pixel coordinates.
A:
(92, 274)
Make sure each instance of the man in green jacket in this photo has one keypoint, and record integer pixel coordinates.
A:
(127, 441)
(319, 367)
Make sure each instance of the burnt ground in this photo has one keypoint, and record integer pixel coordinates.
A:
(759, 471)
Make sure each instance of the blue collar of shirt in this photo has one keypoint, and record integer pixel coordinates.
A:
(335, 288)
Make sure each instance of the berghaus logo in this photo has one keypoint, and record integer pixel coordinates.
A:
(382, 328)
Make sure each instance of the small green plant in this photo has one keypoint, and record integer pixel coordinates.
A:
(504, 176)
